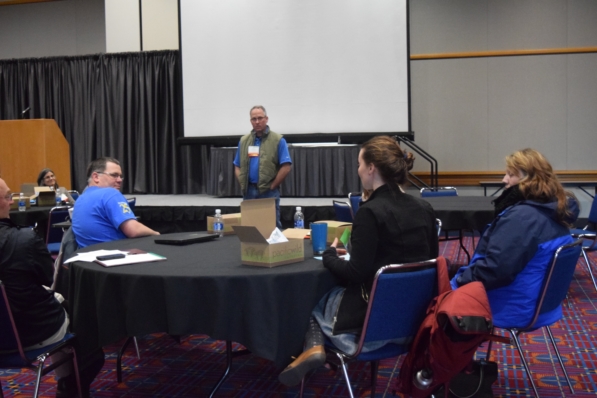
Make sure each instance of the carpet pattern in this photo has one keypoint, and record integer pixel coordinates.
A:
(193, 367)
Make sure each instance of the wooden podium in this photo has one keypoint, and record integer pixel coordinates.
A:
(27, 147)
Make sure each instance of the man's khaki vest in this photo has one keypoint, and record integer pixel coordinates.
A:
(268, 160)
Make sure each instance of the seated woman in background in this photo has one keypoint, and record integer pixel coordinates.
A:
(533, 215)
(391, 227)
(46, 178)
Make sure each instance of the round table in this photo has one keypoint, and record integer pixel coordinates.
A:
(200, 289)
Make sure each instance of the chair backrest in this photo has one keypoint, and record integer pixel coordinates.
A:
(74, 194)
(57, 214)
(558, 277)
(68, 247)
(342, 210)
(441, 191)
(8, 329)
(593, 212)
(132, 203)
(355, 201)
(398, 301)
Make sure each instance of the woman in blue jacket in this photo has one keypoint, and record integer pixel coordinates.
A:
(533, 215)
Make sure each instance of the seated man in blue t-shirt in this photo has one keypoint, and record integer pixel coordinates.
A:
(102, 213)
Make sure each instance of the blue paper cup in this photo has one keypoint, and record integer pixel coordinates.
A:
(319, 234)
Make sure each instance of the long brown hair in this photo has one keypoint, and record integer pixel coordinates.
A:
(538, 182)
(390, 160)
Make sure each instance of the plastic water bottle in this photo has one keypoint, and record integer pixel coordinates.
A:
(22, 203)
(299, 218)
(58, 198)
(218, 223)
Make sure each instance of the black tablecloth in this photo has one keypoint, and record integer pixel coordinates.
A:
(199, 289)
(33, 215)
(463, 212)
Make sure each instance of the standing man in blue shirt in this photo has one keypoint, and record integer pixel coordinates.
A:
(262, 161)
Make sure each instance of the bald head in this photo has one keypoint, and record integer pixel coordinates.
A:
(5, 199)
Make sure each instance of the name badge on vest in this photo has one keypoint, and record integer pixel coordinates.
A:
(253, 151)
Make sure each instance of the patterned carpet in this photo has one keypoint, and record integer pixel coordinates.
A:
(192, 368)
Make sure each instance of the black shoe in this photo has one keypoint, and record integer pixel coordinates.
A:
(67, 388)
(308, 360)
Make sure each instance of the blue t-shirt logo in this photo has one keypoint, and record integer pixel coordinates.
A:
(125, 207)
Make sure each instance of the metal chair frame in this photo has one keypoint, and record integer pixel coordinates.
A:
(548, 283)
(417, 310)
(588, 234)
(34, 359)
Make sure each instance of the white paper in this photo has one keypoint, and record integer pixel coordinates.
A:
(277, 237)
(90, 256)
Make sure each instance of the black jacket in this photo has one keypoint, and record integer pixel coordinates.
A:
(390, 228)
(25, 267)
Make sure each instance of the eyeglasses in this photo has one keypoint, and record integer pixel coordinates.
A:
(8, 196)
(257, 119)
(113, 175)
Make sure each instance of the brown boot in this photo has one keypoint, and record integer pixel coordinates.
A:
(308, 360)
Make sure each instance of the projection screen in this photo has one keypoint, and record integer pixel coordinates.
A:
(318, 66)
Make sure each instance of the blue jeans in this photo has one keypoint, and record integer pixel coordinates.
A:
(253, 193)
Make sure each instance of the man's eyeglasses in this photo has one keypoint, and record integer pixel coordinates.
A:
(8, 196)
(257, 119)
(113, 175)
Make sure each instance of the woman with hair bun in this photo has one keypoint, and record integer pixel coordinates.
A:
(391, 227)
(533, 216)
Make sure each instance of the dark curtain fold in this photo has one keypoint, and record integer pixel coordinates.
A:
(128, 106)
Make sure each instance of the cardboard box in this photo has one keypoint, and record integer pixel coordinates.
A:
(45, 196)
(335, 229)
(258, 221)
(229, 221)
(15, 201)
(297, 233)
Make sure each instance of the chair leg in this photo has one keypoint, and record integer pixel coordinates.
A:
(136, 347)
(523, 360)
(302, 388)
(345, 372)
(488, 351)
(584, 253)
(119, 359)
(374, 369)
(460, 240)
(555, 347)
(40, 368)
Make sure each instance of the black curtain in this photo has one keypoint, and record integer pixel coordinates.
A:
(127, 106)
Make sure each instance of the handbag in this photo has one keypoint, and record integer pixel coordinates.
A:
(473, 382)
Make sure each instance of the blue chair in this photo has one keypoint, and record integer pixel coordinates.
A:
(556, 283)
(74, 194)
(589, 242)
(440, 191)
(397, 305)
(54, 235)
(17, 358)
(132, 203)
(355, 201)
(342, 210)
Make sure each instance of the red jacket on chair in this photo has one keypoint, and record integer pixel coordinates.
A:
(457, 322)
